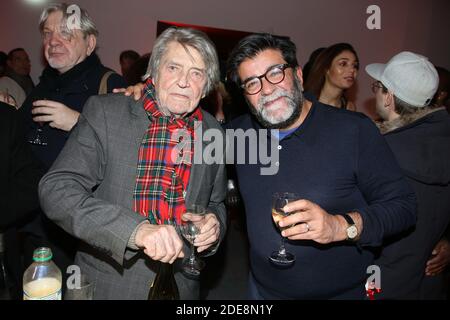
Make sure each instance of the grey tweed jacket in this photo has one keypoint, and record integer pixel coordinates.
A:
(89, 193)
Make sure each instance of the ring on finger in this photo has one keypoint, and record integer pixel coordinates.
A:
(307, 227)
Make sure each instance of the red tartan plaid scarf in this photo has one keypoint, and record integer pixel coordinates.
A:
(164, 162)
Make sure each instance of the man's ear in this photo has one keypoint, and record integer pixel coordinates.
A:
(204, 92)
(92, 43)
(299, 73)
(389, 101)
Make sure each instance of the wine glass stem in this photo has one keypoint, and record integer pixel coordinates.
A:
(192, 257)
(282, 250)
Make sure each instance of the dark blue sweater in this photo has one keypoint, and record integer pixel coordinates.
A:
(338, 160)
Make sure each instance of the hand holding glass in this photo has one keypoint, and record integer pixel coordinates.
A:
(282, 257)
(38, 137)
(190, 230)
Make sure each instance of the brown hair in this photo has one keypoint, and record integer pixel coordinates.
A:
(316, 77)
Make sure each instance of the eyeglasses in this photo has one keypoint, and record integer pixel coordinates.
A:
(274, 75)
(377, 85)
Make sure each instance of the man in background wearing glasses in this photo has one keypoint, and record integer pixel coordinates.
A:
(353, 193)
(419, 135)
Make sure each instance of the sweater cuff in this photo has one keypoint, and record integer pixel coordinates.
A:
(369, 236)
(132, 240)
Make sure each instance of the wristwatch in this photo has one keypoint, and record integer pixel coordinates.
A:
(352, 230)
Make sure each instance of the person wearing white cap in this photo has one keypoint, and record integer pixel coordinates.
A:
(418, 134)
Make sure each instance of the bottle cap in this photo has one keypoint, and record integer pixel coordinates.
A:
(42, 254)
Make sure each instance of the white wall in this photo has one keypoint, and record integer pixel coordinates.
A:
(415, 25)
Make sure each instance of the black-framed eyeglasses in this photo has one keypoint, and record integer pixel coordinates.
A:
(274, 75)
(377, 85)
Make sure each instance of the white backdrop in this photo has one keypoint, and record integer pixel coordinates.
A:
(415, 25)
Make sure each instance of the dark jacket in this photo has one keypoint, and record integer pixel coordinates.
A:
(421, 148)
(71, 88)
(19, 171)
(19, 176)
(102, 154)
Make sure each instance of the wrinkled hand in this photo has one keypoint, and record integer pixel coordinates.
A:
(440, 258)
(323, 227)
(159, 242)
(55, 113)
(209, 229)
(135, 90)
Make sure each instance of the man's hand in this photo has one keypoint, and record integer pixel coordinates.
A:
(440, 258)
(160, 242)
(209, 229)
(310, 222)
(55, 113)
(135, 90)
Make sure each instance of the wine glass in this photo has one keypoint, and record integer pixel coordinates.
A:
(192, 265)
(83, 291)
(38, 137)
(282, 257)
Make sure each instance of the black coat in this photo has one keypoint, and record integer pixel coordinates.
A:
(422, 151)
(71, 88)
(19, 170)
(19, 177)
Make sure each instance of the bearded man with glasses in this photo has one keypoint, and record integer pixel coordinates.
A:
(352, 192)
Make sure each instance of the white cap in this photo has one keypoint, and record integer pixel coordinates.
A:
(409, 76)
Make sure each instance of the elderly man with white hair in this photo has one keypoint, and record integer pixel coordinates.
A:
(124, 191)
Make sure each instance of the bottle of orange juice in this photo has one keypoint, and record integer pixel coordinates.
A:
(42, 280)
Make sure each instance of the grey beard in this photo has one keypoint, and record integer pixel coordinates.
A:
(295, 101)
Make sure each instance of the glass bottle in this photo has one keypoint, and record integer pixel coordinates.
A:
(164, 286)
(42, 280)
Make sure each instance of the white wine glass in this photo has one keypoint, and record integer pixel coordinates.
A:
(282, 257)
(192, 265)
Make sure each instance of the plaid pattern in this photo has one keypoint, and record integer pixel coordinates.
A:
(164, 162)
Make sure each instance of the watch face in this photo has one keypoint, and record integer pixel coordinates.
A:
(352, 232)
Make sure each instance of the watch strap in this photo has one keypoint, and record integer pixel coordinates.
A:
(349, 219)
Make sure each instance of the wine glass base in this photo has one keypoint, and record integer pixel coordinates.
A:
(191, 272)
(192, 269)
(37, 142)
(282, 260)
